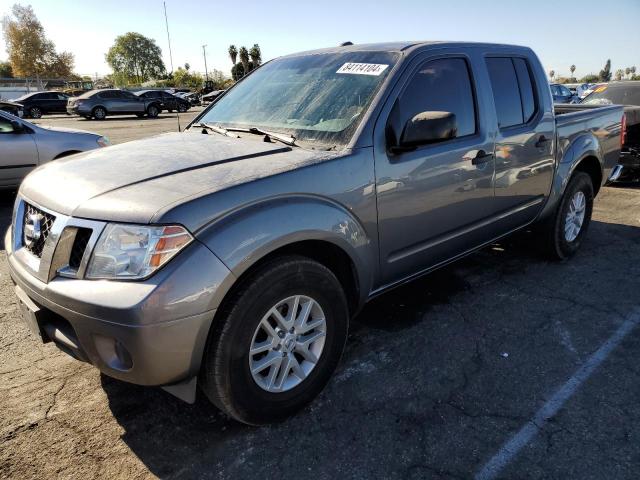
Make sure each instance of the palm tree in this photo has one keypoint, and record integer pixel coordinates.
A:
(627, 71)
(633, 71)
(552, 73)
(619, 74)
(256, 55)
(233, 53)
(244, 59)
(573, 69)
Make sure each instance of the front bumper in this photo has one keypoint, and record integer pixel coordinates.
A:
(148, 333)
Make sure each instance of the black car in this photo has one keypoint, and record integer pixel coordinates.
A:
(39, 103)
(625, 93)
(166, 100)
(12, 107)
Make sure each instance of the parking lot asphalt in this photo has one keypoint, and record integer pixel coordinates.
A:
(123, 128)
(502, 365)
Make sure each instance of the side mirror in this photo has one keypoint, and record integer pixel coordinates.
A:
(425, 128)
(17, 126)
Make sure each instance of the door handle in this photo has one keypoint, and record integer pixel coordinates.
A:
(541, 141)
(479, 158)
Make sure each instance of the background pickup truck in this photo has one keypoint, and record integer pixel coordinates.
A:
(234, 254)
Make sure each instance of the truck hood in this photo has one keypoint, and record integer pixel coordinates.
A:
(136, 181)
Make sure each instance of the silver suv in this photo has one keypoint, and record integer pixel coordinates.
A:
(100, 103)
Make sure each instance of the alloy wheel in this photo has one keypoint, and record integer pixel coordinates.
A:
(575, 216)
(287, 343)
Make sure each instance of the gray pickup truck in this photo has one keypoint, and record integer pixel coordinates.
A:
(233, 255)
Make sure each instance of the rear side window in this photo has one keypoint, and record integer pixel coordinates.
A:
(513, 90)
(441, 85)
(527, 92)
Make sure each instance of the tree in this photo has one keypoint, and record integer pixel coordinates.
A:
(552, 73)
(572, 68)
(619, 74)
(633, 71)
(233, 53)
(605, 73)
(135, 58)
(627, 71)
(187, 66)
(590, 78)
(244, 59)
(5, 70)
(256, 55)
(31, 53)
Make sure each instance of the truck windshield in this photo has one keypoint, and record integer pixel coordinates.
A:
(318, 99)
(614, 94)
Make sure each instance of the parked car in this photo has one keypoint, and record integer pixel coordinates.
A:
(234, 254)
(99, 104)
(584, 89)
(25, 146)
(625, 93)
(562, 94)
(167, 101)
(12, 107)
(211, 96)
(40, 103)
(192, 97)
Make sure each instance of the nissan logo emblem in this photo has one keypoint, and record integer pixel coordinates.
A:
(32, 229)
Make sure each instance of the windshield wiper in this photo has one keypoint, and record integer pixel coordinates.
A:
(281, 137)
(215, 128)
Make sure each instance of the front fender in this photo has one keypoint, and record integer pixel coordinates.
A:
(571, 154)
(245, 236)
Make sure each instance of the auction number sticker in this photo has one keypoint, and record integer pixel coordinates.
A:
(374, 69)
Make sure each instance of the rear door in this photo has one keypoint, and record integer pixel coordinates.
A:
(432, 201)
(19, 153)
(60, 102)
(131, 103)
(524, 152)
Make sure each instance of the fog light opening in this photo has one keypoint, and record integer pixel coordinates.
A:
(113, 352)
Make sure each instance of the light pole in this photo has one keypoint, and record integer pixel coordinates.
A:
(204, 54)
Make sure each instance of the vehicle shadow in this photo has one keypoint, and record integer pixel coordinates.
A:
(176, 439)
(7, 198)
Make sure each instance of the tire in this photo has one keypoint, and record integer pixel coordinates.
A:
(226, 377)
(35, 112)
(182, 108)
(153, 111)
(99, 113)
(562, 242)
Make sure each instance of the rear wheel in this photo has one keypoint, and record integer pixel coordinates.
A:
(99, 113)
(35, 112)
(182, 108)
(566, 229)
(153, 111)
(277, 341)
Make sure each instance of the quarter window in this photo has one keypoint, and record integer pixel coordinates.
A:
(513, 90)
(441, 85)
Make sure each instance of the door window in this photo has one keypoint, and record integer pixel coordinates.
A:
(513, 91)
(440, 85)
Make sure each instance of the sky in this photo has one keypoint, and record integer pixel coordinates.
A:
(584, 33)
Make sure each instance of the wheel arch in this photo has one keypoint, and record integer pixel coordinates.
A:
(309, 226)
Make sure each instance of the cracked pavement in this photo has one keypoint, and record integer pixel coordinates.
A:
(436, 377)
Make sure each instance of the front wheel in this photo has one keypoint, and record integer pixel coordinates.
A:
(35, 112)
(276, 342)
(565, 230)
(153, 111)
(99, 113)
(182, 108)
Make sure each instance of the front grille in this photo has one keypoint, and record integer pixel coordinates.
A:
(36, 226)
(79, 246)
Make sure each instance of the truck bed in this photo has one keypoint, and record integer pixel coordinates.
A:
(587, 121)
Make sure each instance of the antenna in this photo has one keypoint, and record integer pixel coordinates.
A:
(166, 21)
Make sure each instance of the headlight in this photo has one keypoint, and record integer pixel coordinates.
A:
(135, 251)
(103, 141)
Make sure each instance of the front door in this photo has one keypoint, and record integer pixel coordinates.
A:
(525, 140)
(432, 201)
(19, 153)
